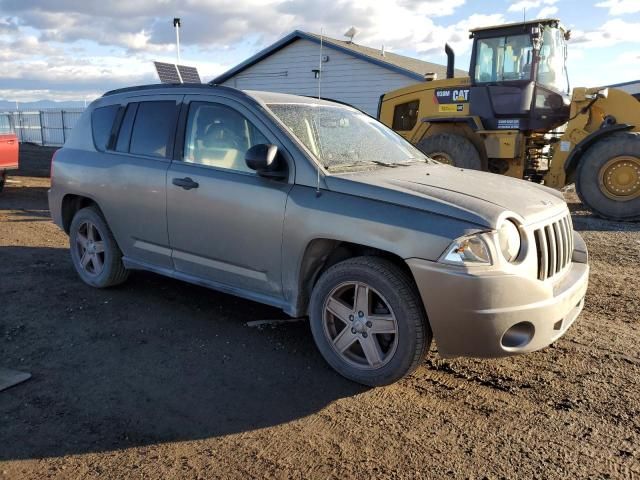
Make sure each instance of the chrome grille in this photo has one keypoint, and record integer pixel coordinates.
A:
(554, 246)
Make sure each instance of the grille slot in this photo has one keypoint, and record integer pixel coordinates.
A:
(554, 247)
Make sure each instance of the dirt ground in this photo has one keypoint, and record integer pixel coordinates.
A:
(161, 379)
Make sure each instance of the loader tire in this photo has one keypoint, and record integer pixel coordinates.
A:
(608, 177)
(452, 149)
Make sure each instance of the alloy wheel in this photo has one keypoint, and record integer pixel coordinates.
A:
(90, 248)
(360, 325)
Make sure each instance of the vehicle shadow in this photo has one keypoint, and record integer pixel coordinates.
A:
(154, 360)
(584, 219)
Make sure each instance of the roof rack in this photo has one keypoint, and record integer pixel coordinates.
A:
(161, 86)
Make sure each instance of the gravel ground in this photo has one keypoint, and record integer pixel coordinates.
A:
(161, 379)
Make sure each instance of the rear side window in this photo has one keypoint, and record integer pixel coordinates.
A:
(152, 129)
(101, 124)
(405, 115)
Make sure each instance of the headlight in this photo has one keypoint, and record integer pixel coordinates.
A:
(470, 250)
(510, 240)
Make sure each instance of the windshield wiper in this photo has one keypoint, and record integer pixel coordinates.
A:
(365, 162)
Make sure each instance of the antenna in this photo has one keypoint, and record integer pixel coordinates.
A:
(320, 63)
(176, 25)
(319, 97)
(352, 32)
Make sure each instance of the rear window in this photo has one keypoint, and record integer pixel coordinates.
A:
(152, 129)
(405, 116)
(101, 124)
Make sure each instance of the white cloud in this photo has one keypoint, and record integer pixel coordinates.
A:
(98, 45)
(620, 7)
(612, 32)
(518, 7)
(145, 25)
(547, 12)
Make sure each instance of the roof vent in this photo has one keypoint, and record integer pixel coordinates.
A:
(430, 76)
(382, 50)
(352, 32)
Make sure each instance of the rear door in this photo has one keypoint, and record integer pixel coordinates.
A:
(226, 227)
(141, 147)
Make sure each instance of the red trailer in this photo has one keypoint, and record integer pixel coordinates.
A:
(8, 155)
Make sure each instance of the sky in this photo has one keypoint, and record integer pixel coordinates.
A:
(77, 49)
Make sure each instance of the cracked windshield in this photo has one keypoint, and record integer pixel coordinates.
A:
(342, 138)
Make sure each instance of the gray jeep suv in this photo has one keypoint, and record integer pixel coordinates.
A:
(320, 210)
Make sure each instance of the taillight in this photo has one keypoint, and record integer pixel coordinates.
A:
(53, 158)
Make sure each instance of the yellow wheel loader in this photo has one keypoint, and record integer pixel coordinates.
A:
(514, 115)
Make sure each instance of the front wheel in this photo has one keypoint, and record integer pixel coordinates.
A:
(368, 321)
(608, 177)
(452, 149)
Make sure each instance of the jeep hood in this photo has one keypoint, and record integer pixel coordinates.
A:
(478, 197)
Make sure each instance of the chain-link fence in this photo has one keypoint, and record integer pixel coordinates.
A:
(43, 127)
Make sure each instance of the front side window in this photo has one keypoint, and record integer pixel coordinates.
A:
(152, 128)
(503, 58)
(552, 70)
(219, 136)
(340, 137)
(101, 124)
(405, 116)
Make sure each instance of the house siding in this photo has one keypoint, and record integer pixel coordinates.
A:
(344, 77)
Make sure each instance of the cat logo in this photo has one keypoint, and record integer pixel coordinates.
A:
(452, 96)
(461, 95)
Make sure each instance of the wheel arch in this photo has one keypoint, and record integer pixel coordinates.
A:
(574, 157)
(322, 253)
(71, 203)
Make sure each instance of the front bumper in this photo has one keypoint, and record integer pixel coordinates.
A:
(470, 314)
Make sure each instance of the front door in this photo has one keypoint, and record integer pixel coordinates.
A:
(224, 221)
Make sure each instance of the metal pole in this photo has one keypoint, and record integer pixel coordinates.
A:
(41, 129)
(64, 137)
(176, 24)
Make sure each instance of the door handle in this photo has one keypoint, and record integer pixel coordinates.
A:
(185, 183)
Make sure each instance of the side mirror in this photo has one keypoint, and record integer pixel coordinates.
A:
(265, 160)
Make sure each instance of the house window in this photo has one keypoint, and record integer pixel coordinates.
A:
(405, 115)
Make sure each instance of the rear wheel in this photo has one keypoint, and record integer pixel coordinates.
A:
(3, 179)
(452, 149)
(94, 252)
(368, 322)
(608, 177)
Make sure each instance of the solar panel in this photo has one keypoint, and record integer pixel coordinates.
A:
(167, 72)
(189, 74)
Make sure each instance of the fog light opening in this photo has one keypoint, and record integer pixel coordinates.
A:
(518, 336)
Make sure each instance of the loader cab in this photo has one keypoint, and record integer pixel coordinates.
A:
(518, 76)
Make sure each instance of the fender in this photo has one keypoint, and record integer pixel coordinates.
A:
(468, 120)
(586, 142)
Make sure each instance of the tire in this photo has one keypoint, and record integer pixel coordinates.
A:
(619, 202)
(453, 149)
(107, 269)
(394, 303)
(3, 180)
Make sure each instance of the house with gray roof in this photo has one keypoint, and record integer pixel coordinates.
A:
(343, 70)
